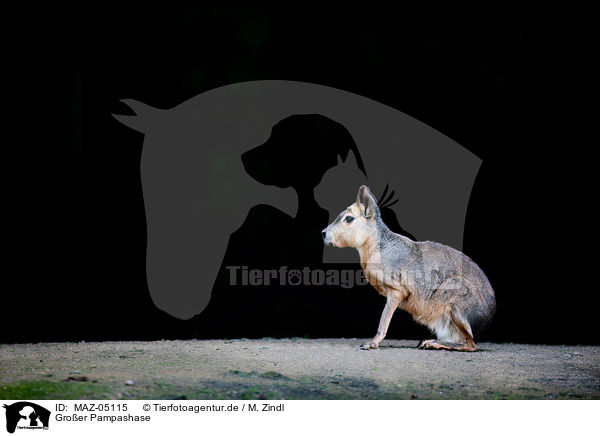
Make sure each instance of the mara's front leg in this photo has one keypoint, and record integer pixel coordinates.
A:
(393, 299)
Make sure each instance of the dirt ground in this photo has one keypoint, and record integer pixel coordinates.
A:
(295, 369)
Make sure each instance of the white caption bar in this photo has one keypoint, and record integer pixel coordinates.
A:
(273, 417)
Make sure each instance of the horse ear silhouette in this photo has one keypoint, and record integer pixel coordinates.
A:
(142, 117)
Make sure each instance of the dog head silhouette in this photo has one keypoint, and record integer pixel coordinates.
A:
(300, 149)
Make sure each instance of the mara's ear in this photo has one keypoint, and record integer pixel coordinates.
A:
(144, 115)
(366, 201)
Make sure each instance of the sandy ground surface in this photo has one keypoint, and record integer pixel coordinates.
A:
(295, 369)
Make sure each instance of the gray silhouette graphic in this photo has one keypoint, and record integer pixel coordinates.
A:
(26, 414)
(197, 191)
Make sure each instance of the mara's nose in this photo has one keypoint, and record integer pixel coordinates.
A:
(323, 234)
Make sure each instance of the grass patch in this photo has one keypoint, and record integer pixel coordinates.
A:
(49, 390)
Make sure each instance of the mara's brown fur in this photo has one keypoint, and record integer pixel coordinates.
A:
(439, 286)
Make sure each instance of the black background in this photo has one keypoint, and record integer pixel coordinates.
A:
(507, 85)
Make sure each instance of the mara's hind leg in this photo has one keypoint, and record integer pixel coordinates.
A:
(457, 328)
(465, 329)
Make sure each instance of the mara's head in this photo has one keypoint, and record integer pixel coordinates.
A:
(355, 224)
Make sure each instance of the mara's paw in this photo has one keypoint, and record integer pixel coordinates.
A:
(431, 344)
(369, 345)
(422, 343)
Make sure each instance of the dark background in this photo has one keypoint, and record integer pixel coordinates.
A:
(506, 85)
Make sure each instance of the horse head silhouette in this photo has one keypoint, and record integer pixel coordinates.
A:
(197, 190)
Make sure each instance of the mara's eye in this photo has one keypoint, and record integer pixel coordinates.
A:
(348, 219)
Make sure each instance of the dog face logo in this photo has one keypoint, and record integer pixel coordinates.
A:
(26, 415)
(208, 161)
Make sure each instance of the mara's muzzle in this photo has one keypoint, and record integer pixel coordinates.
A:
(326, 237)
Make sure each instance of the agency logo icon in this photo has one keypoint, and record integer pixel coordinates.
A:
(25, 415)
(298, 150)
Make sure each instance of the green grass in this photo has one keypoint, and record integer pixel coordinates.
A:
(49, 390)
(275, 389)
